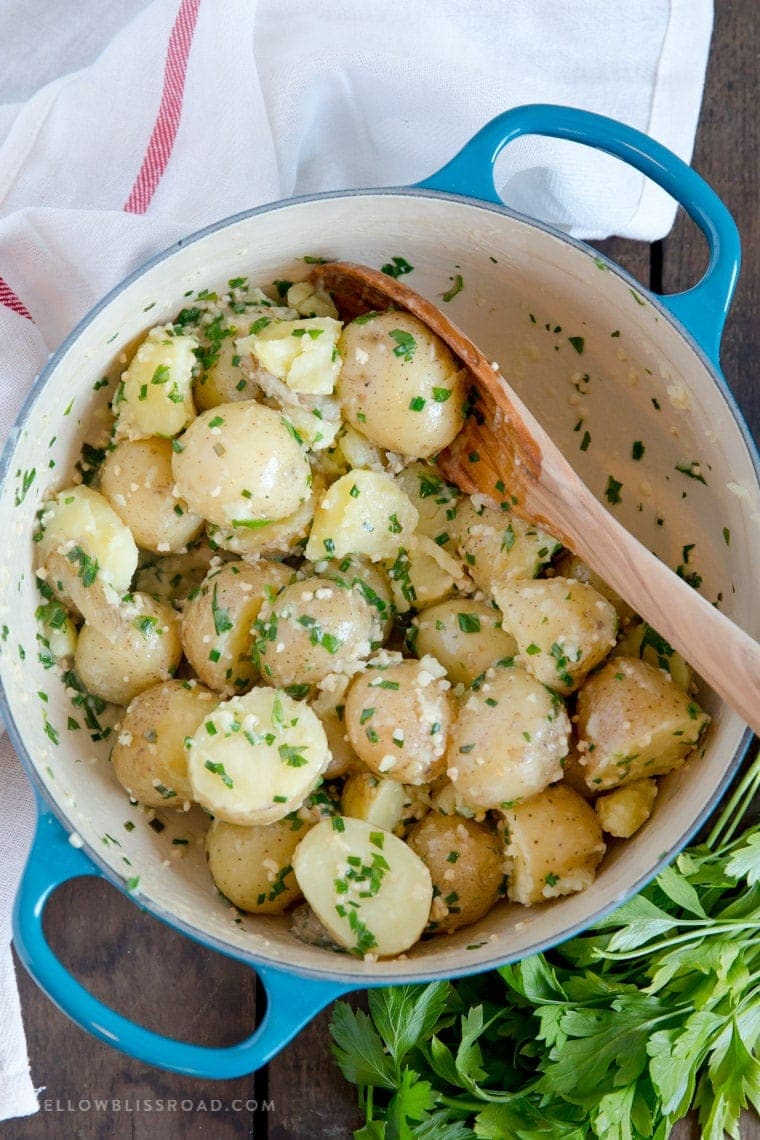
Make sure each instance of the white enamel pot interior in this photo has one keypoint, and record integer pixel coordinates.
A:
(531, 299)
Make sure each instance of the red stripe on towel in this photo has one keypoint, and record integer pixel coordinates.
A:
(11, 301)
(169, 112)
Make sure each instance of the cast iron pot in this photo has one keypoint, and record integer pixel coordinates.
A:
(583, 344)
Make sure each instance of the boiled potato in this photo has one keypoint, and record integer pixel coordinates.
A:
(554, 846)
(255, 758)
(368, 888)
(155, 394)
(138, 481)
(633, 721)
(622, 811)
(173, 577)
(498, 547)
(465, 636)
(276, 539)
(252, 866)
(217, 622)
(644, 642)
(563, 628)
(312, 628)
(60, 636)
(381, 802)
(508, 740)
(330, 705)
(363, 512)
(93, 546)
(423, 574)
(309, 301)
(357, 452)
(466, 864)
(149, 757)
(569, 565)
(574, 774)
(435, 501)
(241, 467)
(370, 578)
(398, 717)
(400, 384)
(302, 353)
(140, 647)
(223, 380)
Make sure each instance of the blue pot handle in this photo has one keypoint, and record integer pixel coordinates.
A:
(702, 310)
(292, 1002)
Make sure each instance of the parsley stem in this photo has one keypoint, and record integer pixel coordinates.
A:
(733, 813)
(709, 929)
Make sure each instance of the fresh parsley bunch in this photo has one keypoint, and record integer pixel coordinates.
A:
(615, 1035)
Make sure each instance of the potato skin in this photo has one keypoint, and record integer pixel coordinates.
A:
(508, 740)
(149, 758)
(398, 718)
(234, 483)
(252, 866)
(569, 565)
(141, 648)
(498, 547)
(633, 721)
(466, 863)
(138, 481)
(312, 628)
(554, 846)
(563, 628)
(466, 636)
(400, 385)
(217, 622)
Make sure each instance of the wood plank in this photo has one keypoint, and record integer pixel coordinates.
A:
(309, 1093)
(159, 978)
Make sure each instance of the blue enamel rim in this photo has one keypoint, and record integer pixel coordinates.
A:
(295, 997)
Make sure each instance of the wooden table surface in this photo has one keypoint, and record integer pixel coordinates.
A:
(161, 979)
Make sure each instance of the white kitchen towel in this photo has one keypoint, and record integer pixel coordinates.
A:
(124, 125)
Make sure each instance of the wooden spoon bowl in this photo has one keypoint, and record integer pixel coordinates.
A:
(502, 451)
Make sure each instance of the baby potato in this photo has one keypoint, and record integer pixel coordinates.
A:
(90, 544)
(138, 481)
(466, 864)
(149, 757)
(642, 641)
(276, 539)
(563, 628)
(223, 380)
(633, 721)
(367, 887)
(140, 647)
(400, 384)
(498, 547)
(155, 394)
(217, 622)
(330, 705)
(309, 301)
(381, 802)
(398, 718)
(465, 636)
(254, 759)
(435, 501)
(569, 565)
(173, 577)
(622, 811)
(363, 512)
(241, 467)
(302, 353)
(370, 578)
(508, 740)
(252, 866)
(312, 628)
(423, 574)
(554, 846)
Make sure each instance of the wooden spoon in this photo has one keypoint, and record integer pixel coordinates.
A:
(502, 445)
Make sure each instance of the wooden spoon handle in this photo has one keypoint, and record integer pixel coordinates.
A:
(722, 653)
